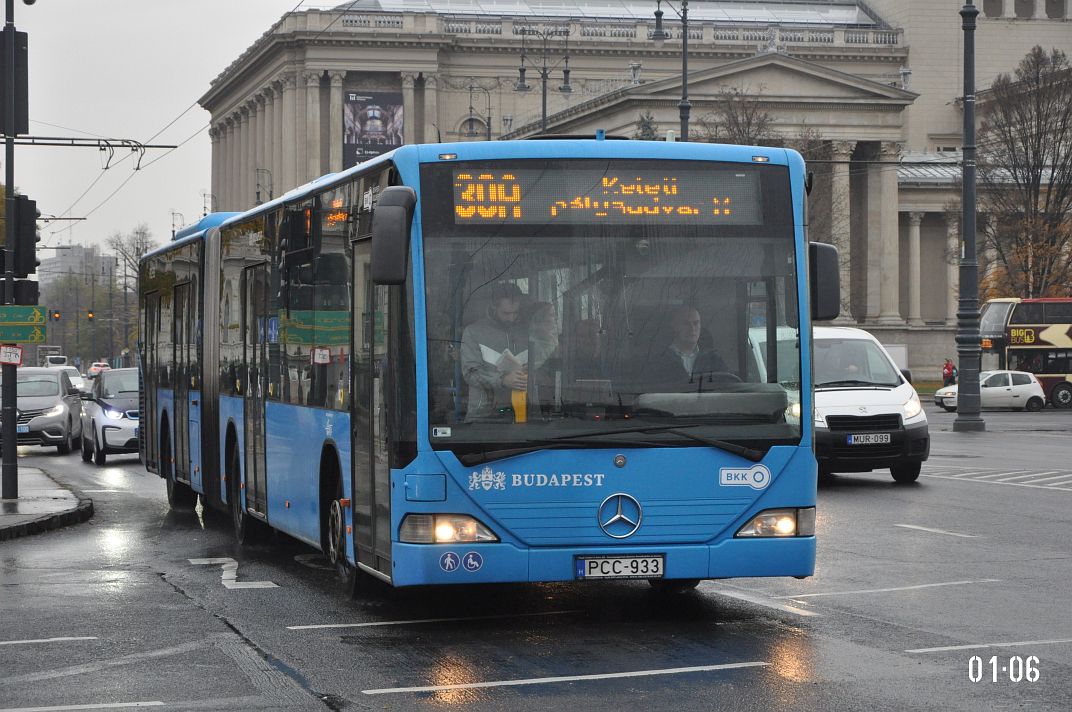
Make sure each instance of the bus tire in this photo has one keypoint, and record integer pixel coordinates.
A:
(906, 473)
(248, 530)
(1061, 397)
(333, 520)
(1035, 405)
(179, 495)
(673, 586)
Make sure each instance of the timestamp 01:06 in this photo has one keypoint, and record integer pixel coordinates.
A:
(1014, 668)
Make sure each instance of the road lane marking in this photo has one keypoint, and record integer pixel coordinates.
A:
(988, 482)
(230, 574)
(969, 474)
(46, 640)
(761, 600)
(935, 531)
(1062, 476)
(1061, 482)
(999, 474)
(417, 621)
(564, 678)
(1023, 477)
(105, 664)
(100, 706)
(1015, 644)
(887, 590)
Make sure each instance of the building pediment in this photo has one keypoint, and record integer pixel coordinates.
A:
(779, 77)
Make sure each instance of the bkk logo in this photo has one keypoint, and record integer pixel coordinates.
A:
(756, 477)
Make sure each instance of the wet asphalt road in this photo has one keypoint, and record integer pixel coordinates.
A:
(910, 583)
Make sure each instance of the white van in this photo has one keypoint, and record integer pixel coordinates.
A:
(867, 415)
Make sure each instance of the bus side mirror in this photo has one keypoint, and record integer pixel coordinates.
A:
(391, 221)
(825, 280)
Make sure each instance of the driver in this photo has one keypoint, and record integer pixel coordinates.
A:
(682, 364)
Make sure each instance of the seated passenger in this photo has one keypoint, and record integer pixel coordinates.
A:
(494, 355)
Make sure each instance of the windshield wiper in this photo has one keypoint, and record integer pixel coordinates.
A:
(850, 382)
(745, 452)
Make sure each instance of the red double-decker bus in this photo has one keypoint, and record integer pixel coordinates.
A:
(1033, 335)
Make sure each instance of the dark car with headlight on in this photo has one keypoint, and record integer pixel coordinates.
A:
(110, 415)
(48, 410)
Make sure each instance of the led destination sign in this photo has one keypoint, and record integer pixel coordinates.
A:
(519, 196)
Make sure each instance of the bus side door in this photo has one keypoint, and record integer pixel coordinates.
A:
(255, 318)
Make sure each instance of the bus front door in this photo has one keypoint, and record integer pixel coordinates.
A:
(254, 306)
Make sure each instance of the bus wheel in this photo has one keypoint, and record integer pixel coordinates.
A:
(179, 496)
(1062, 396)
(672, 586)
(906, 473)
(248, 529)
(1035, 405)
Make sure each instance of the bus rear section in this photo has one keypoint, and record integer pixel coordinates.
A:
(594, 404)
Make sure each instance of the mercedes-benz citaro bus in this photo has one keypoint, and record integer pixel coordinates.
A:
(502, 362)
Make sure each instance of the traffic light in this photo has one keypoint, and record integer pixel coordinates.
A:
(26, 237)
(54, 315)
(89, 315)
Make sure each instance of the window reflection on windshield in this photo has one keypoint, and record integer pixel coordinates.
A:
(119, 384)
(34, 385)
(853, 362)
(576, 335)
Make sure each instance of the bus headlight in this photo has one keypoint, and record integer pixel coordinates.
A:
(443, 529)
(912, 407)
(781, 523)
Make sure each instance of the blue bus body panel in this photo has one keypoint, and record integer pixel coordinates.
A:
(295, 438)
(196, 470)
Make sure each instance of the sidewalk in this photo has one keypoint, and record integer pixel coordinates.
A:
(42, 504)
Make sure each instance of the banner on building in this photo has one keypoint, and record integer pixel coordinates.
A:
(372, 124)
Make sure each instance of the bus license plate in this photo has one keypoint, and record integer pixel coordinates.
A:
(869, 439)
(22, 429)
(619, 567)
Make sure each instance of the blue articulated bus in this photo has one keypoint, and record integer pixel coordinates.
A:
(502, 362)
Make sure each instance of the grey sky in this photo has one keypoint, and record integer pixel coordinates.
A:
(126, 69)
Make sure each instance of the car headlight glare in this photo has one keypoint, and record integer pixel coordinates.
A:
(113, 414)
(443, 529)
(912, 407)
(58, 409)
(781, 523)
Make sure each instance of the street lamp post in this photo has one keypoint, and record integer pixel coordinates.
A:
(545, 67)
(486, 119)
(968, 405)
(659, 36)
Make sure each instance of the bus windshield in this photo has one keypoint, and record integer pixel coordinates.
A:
(580, 328)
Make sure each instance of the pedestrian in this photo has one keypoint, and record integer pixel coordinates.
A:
(949, 373)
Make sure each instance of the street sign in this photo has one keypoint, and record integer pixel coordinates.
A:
(22, 333)
(21, 315)
(11, 355)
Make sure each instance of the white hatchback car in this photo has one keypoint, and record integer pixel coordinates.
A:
(110, 415)
(1000, 389)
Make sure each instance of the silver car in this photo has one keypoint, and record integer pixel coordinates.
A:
(110, 415)
(49, 410)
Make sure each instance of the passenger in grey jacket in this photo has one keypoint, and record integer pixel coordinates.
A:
(490, 385)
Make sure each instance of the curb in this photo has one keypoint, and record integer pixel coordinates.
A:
(48, 522)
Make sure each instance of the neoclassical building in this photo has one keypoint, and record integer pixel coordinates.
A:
(877, 82)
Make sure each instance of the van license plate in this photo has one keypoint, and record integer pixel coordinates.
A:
(619, 567)
(869, 439)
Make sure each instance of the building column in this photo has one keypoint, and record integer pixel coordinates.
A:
(251, 153)
(257, 154)
(1008, 8)
(268, 135)
(335, 122)
(241, 202)
(431, 109)
(952, 271)
(312, 125)
(409, 125)
(914, 318)
(217, 163)
(277, 139)
(290, 133)
(1040, 10)
(889, 236)
(841, 221)
(230, 156)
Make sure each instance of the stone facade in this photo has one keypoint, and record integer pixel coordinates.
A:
(878, 81)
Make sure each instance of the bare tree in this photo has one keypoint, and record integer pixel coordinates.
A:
(130, 247)
(645, 127)
(738, 118)
(1025, 177)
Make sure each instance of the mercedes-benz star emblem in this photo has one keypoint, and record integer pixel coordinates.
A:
(619, 516)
